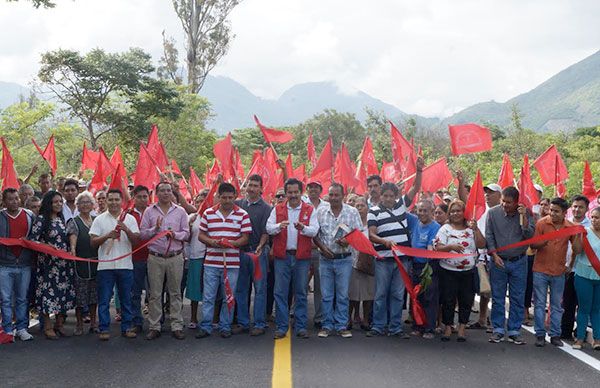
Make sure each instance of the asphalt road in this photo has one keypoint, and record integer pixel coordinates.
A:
(244, 361)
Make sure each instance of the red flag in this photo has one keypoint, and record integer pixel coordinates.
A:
(403, 153)
(435, 176)
(49, 153)
(312, 153)
(469, 138)
(507, 177)
(195, 182)
(325, 162)
(344, 174)
(89, 159)
(274, 135)
(175, 168)
(212, 173)
(289, 166)
(210, 198)
(8, 174)
(528, 196)
(361, 179)
(588, 188)
(157, 150)
(184, 190)
(389, 173)
(146, 171)
(117, 179)
(223, 150)
(366, 158)
(239, 167)
(551, 167)
(100, 176)
(475, 206)
(300, 173)
(271, 170)
(117, 163)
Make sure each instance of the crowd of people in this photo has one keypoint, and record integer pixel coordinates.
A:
(243, 246)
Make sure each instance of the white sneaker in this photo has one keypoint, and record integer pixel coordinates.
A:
(23, 335)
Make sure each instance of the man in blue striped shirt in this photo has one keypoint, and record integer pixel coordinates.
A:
(388, 226)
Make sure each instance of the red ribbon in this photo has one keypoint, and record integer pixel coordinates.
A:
(413, 292)
(257, 272)
(52, 251)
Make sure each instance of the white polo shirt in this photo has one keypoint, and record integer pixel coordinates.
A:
(113, 248)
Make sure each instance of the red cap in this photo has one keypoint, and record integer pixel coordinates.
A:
(314, 182)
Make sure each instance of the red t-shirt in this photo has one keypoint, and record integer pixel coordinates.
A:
(18, 227)
(142, 254)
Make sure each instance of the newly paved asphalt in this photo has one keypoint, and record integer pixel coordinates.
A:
(244, 361)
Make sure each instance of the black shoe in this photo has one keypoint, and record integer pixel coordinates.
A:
(278, 335)
(461, 339)
(373, 333)
(540, 341)
(400, 334)
(445, 338)
(302, 334)
(225, 334)
(516, 339)
(556, 341)
(496, 338)
(202, 334)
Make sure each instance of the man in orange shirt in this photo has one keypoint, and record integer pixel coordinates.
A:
(549, 271)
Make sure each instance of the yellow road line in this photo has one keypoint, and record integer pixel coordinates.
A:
(282, 363)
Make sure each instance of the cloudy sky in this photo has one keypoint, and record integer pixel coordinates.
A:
(430, 57)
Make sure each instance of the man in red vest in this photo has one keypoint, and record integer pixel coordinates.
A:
(292, 224)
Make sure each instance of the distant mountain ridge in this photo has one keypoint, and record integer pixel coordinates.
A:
(568, 100)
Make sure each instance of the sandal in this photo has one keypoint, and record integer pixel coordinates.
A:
(461, 339)
(93, 330)
(445, 338)
(192, 325)
(50, 334)
(118, 317)
(78, 331)
(476, 325)
(61, 332)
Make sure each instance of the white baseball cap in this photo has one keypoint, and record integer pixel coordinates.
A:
(493, 187)
(538, 188)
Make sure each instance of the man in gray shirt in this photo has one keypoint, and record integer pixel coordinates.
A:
(508, 223)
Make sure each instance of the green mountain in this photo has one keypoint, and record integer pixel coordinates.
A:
(568, 100)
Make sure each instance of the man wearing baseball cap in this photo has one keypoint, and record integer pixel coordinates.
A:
(314, 189)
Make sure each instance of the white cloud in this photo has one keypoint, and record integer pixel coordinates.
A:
(430, 57)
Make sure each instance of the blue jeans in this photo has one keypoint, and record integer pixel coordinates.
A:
(541, 283)
(335, 281)
(213, 279)
(140, 273)
(588, 296)
(286, 271)
(106, 280)
(388, 285)
(14, 282)
(242, 296)
(514, 278)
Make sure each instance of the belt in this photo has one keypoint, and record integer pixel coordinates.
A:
(337, 256)
(291, 252)
(167, 255)
(514, 258)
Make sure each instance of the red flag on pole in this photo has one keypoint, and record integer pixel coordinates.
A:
(435, 176)
(99, 179)
(475, 206)
(89, 159)
(272, 135)
(344, 174)
(212, 173)
(388, 172)
(325, 162)
(528, 196)
(116, 160)
(312, 153)
(175, 168)
(146, 171)
(588, 188)
(507, 177)
(551, 167)
(195, 182)
(367, 159)
(116, 181)
(223, 150)
(49, 153)
(469, 138)
(8, 174)
(157, 150)
(239, 167)
(300, 173)
(289, 166)
(403, 153)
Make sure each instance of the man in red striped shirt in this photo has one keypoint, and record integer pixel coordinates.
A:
(225, 221)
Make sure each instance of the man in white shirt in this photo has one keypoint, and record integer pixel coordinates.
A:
(114, 232)
(292, 224)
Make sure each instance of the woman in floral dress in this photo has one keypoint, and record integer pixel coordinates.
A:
(456, 275)
(55, 293)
